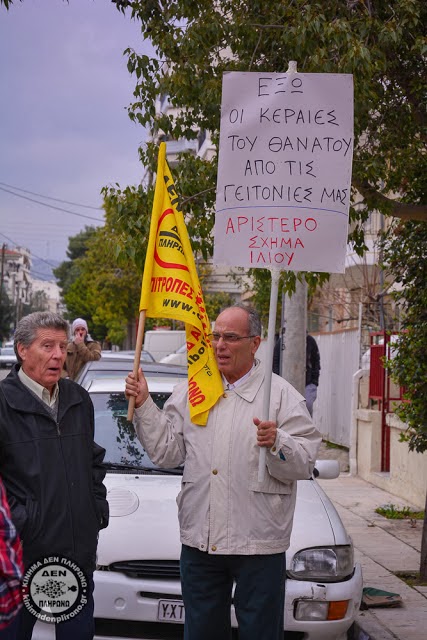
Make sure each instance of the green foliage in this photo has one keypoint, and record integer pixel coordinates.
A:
(383, 45)
(405, 257)
(67, 272)
(7, 3)
(392, 512)
(7, 315)
(128, 216)
(259, 285)
(106, 289)
(216, 302)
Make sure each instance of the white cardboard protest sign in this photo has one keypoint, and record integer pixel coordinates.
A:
(284, 171)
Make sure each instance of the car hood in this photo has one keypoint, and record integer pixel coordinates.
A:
(144, 519)
(316, 521)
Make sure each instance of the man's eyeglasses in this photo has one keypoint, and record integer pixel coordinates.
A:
(228, 338)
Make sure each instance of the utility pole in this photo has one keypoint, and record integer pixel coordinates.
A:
(295, 322)
(2, 297)
(3, 250)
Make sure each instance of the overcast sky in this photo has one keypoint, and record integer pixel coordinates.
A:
(64, 128)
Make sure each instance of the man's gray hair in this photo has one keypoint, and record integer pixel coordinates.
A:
(26, 330)
(254, 320)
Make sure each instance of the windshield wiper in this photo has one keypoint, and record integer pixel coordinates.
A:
(131, 467)
(126, 467)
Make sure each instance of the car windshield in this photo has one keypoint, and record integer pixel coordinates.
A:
(117, 435)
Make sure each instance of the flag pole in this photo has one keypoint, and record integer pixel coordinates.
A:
(275, 277)
(137, 359)
(274, 292)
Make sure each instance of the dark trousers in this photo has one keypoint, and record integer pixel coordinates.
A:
(259, 596)
(81, 627)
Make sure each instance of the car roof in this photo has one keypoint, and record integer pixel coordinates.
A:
(126, 355)
(125, 364)
(121, 366)
(116, 384)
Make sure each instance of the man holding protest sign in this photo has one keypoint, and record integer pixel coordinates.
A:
(233, 527)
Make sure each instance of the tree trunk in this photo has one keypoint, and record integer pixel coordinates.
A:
(293, 356)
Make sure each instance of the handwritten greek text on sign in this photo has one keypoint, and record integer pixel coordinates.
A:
(284, 172)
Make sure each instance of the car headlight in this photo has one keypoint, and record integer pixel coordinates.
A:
(326, 564)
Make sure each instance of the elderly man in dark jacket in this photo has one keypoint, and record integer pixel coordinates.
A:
(51, 467)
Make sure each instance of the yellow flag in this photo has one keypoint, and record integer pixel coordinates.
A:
(171, 289)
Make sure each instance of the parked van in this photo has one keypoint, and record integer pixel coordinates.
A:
(180, 355)
(162, 342)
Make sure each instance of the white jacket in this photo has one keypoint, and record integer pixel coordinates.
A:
(222, 508)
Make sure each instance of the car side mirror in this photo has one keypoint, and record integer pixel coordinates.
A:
(326, 469)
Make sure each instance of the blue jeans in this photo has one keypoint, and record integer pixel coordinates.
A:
(81, 627)
(259, 597)
(310, 397)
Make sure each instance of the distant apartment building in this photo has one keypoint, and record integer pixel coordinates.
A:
(23, 290)
(15, 277)
(51, 293)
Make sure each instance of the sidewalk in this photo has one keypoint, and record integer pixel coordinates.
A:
(382, 547)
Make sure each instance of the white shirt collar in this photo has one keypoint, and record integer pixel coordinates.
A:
(228, 386)
(40, 391)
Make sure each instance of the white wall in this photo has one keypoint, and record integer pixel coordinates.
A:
(339, 360)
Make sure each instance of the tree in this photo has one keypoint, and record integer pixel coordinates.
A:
(405, 256)
(7, 315)
(382, 44)
(107, 289)
(7, 3)
(101, 280)
(66, 272)
(69, 272)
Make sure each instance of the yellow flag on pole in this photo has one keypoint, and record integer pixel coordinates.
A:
(171, 289)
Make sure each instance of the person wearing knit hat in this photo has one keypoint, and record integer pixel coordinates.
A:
(80, 350)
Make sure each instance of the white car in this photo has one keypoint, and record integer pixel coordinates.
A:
(7, 356)
(137, 583)
(177, 357)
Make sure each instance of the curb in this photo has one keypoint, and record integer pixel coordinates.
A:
(367, 627)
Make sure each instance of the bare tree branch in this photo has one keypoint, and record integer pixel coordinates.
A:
(402, 210)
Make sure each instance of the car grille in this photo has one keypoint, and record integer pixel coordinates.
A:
(158, 569)
(156, 630)
(137, 629)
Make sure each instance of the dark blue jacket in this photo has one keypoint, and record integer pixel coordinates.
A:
(52, 471)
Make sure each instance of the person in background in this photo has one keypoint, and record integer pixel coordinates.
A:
(312, 371)
(80, 350)
(50, 464)
(233, 527)
(277, 352)
(312, 366)
(11, 566)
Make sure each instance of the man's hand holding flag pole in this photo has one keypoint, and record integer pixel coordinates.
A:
(171, 289)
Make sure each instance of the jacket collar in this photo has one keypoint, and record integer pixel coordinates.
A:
(250, 387)
(19, 397)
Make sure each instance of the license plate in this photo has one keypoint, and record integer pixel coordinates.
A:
(171, 611)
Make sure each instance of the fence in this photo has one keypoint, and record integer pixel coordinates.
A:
(339, 360)
(381, 388)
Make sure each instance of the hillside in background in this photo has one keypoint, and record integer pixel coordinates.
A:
(43, 269)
